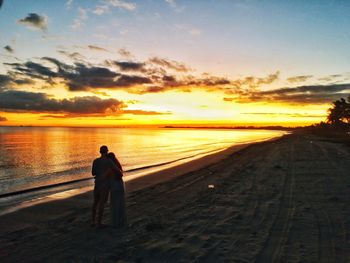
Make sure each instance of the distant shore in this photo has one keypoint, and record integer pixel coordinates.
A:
(275, 201)
(281, 128)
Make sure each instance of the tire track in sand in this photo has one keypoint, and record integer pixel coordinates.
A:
(278, 234)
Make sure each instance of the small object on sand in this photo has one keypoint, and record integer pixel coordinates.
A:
(211, 186)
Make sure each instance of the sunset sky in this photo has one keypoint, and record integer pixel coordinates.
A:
(172, 62)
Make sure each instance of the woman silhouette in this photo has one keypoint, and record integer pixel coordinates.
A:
(117, 195)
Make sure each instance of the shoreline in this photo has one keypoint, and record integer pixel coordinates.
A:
(276, 201)
(133, 182)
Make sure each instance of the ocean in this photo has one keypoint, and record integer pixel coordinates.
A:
(33, 158)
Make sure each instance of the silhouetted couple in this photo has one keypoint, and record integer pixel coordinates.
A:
(108, 174)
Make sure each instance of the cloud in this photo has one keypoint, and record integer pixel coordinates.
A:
(157, 75)
(298, 79)
(100, 10)
(32, 70)
(2, 119)
(96, 48)
(74, 55)
(13, 100)
(80, 20)
(125, 53)
(34, 21)
(108, 4)
(81, 76)
(152, 76)
(268, 79)
(129, 65)
(8, 80)
(170, 64)
(4, 80)
(249, 84)
(1, 2)
(23, 101)
(130, 80)
(313, 94)
(332, 78)
(121, 4)
(9, 49)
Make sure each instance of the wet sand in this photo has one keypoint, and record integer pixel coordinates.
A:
(279, 201)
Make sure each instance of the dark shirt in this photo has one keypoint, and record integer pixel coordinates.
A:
(100, 167)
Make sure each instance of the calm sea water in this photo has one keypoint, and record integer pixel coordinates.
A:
(32, 157)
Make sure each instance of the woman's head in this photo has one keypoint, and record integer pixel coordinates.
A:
(111, 156)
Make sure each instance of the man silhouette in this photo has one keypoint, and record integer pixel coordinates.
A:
(100, 168)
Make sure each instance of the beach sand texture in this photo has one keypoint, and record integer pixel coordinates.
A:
(280, 201)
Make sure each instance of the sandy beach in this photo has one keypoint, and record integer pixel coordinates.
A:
(285, 200)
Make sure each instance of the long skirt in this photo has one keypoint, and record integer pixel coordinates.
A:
(117, 203)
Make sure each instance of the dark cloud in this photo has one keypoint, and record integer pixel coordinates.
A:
(84, 77)
(95, 117)
(32, 70)
(1, 2)
(12, 100)
(34, 21)
(130, 80)
(313, 94)
(170, 64)
(97, 48)
(331, 78)
(3, 119)
(153, 77)
(129, 66)
(4, 80)
(9, 49)
(298, 79)
(23, 81)
(312, 89)
(8, 80)
(81, 76)
(78, 76)
(62, 68)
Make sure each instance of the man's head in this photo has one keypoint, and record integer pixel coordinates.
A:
(103, 150)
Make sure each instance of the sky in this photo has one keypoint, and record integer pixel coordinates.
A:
(172, 62)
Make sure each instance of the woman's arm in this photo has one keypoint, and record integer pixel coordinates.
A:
(119, 165)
